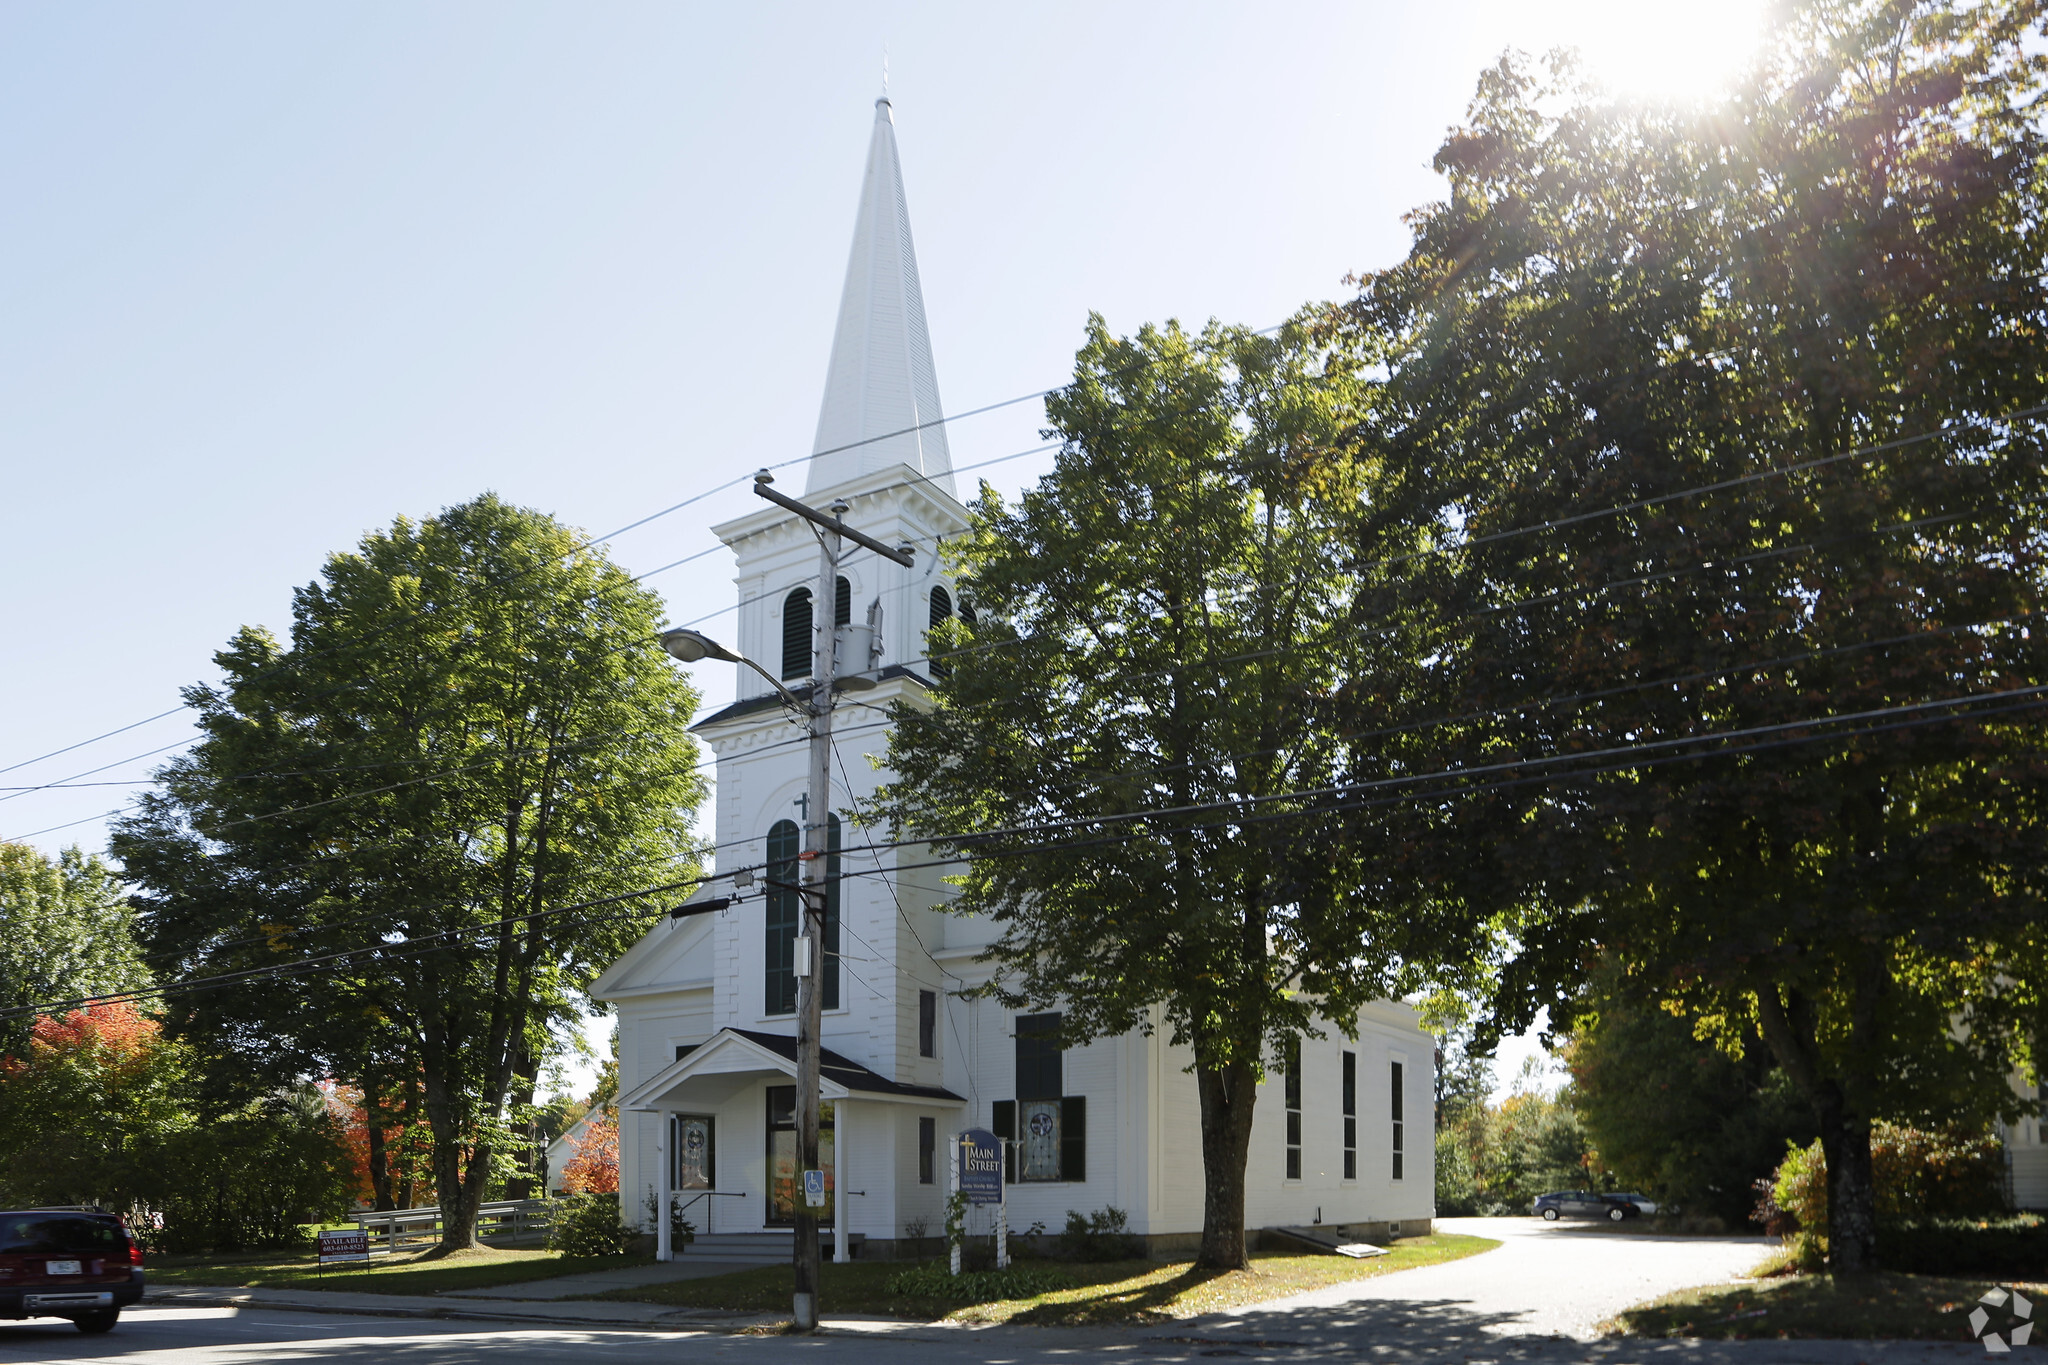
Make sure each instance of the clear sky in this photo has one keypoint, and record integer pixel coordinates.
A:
(272, 275)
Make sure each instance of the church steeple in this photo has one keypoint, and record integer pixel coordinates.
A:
(881, 378)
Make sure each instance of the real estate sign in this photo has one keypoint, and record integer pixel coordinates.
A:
(344, 1246)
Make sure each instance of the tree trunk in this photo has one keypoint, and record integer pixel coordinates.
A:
(380, 1160)
(1788, 1026)
(1852, 1190)
(1228, 1094)
(525, 1184)
(456, 1197)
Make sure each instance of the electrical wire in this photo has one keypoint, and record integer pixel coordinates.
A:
(1345, 797)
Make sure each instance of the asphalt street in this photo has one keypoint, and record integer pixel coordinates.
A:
(1533, 1300)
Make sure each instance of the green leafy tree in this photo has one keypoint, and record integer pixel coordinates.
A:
(471, 728)
(98, 1107)
(1694, 1124)
(66, 933)
(1617, 303)
(1160, 630)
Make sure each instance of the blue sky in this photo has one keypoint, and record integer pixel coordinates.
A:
(272, 275)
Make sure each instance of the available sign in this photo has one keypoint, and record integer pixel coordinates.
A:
(981, 1166)
(344, 1246)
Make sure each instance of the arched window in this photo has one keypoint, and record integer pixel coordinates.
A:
(942, 612)
(796, 627)
(796, 634)
(785, 920)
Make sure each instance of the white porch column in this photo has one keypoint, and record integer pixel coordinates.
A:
(842, 1148)
(663, 1251)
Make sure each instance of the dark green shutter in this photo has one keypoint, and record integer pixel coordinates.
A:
(782, 918)
(1074, 1137)
(1004, 1120)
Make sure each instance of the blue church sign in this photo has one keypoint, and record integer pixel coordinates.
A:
(981, 1166)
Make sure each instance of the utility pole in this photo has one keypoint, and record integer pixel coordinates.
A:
(810, 946)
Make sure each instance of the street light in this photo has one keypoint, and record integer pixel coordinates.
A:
(691, 646)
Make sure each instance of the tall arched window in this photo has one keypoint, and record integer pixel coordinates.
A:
(796, 634)
(785, 922)
(942, 612)
(796, 627)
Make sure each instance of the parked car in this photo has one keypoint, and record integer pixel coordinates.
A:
(74, 1263)
(1643, 1202)
(1583, 1204)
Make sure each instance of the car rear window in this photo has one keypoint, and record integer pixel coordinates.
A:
(41, 1232)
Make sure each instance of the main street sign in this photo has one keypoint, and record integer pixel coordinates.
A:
(981, 1166)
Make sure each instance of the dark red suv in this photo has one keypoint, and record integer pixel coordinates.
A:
(79, 1264)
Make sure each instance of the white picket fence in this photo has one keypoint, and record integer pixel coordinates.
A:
(504, 1223)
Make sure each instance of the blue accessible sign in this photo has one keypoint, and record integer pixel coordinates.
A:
(981, 1166)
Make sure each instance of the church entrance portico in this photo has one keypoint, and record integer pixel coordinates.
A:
(727, 1148)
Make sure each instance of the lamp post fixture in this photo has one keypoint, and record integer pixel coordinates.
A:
(691, 646)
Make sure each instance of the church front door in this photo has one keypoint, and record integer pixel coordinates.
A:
(785, 1182)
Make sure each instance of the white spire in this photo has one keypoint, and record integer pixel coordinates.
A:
(881, 379)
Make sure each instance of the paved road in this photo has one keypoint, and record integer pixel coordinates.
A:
(1547, 1279)
(1524, 1304)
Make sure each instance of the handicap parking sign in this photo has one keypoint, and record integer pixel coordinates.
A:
(814, 1189)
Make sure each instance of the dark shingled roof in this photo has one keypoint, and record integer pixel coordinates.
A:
(841, 1071)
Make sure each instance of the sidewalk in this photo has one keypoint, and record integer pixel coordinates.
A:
(561, 1313)
(605, 1313)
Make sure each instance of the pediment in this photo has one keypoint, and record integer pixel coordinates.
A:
(674, 954)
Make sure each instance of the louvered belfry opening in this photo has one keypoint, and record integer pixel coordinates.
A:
(796, 627)
(796, 634)
(942, 612)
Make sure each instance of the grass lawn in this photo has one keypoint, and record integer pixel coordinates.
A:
(1903, 1307)
(1110, 1292)
(406, 1273)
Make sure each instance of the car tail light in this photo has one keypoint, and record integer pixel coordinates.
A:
(134, 1252)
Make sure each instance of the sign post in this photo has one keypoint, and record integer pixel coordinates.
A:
(342, 1246)
(978, 1174)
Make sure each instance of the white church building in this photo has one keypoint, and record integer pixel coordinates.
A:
(707, 1026)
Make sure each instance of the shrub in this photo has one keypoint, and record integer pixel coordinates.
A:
(2016, 1246)
(1921, 1176)
(253, 1179)
(981, 1286)
(587, 1225)
(1103, 1235)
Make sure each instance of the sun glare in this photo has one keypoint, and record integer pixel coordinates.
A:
(1680, 49)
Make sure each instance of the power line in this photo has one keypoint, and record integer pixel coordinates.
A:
(633, 526)
(639, 578)
(1857, 453)
(1516, 606)
(1777, 735)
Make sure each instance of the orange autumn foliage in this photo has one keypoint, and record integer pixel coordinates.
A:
(595, 1167)
(117, 1031)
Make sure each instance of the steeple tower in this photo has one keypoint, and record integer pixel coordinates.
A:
(881, 378)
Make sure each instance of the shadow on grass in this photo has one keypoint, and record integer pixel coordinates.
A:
(1119, 1301)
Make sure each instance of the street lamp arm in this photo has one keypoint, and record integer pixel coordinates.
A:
(792, 698)
(693, 645)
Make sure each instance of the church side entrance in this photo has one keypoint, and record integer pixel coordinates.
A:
(785, 1185)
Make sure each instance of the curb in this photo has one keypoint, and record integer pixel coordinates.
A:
(205, 1298)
